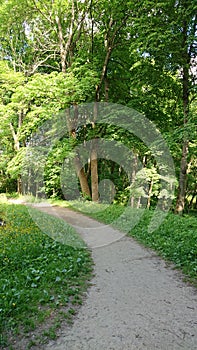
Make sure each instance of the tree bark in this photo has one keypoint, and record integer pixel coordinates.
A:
(19, 185)
(82, 177)
(61, 45)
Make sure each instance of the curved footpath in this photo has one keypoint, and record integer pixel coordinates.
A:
(135, 302)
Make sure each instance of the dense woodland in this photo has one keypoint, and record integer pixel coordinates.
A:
(59, 54)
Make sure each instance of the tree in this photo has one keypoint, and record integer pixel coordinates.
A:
(167, 40)
(42, 37)
(27, 103)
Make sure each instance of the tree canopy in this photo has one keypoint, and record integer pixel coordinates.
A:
(56, 55)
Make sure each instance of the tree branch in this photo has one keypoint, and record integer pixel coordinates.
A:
(41, 12)
(15, 137)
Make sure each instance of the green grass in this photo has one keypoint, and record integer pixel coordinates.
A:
(39, 276)
(175, 239)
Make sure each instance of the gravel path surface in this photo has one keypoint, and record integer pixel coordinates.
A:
(136, 301)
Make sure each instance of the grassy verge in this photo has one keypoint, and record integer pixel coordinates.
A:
(175, 239)
(41, 280)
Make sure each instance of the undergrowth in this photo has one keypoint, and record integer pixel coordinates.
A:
(38, 275)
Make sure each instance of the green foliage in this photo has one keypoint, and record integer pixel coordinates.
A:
(31, 102)
(134, 53)
(38, 274)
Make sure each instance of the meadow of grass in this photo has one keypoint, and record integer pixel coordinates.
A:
(41, 279)
(175, 239)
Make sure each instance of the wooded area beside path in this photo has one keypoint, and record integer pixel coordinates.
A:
(58, 55)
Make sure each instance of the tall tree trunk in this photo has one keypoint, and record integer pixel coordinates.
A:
(180, 203)
(103, 78)
(19, 184)
(109, 40)
(15, 138)
(71, 124)
(67, 47)
(63, 53)
(82, 177)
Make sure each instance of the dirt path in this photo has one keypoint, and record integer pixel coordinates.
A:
(135, 302)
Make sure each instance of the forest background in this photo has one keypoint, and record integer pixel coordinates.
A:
(56, 55)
